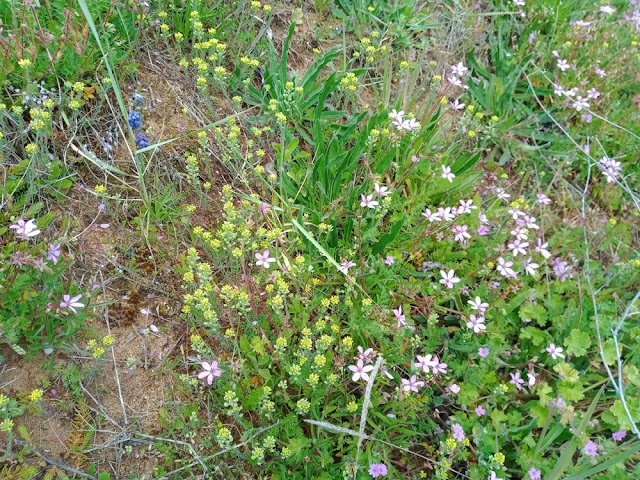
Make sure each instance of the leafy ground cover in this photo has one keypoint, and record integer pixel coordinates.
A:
(339, 239)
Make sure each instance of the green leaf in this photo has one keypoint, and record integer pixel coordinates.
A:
(389, 237)
(577, 343)
(568, 450)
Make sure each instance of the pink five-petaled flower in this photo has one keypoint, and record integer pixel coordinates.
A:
(459, 69)
(368, 201)
(563, 65)
(264, 259)
(389, 260)
(458, 432)
(504, 267)
(542, 198)
(517, 247)
(360, 371)
(476, 323)
(54, 253)
(381, 191)
(345, 266)
(432, 217)
(425, 363)
(439, 367)
(534, 474)
(397, 116)
(480, 411)
(478, 304)
(26, 229)
(455, 388)
(412, 384)
(516, 380)
(71, 303)
(554, 351)
(542, 248)
(446, 173)
(530, 267)
(210, 370)
(493, 476)
(457, 105)
(448, 278)
(580, 103)
(601, 73)
(460, 233)
(400, 318)
(483, 352)
(591, 448)
(365, 354)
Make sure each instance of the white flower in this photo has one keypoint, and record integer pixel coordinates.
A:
(457, 105)
(580, 103)
(448, 278)
(360, 371)
(459, 69)
(264, 259)
(382, 191)
(446, 173)
(26, 229)
(530, 267)
(563, 65)
(397, 116)
(542, 248)
(607, 9)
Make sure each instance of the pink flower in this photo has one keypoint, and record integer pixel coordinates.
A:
(368, 201)
(448, 278)
(71, 303)
(412, 384)
(458, 432)
(26, 229)
(425, 363)
(360, 371)
(400, 318)
(516, 380)
(483, 230)
(439, 367)
(211, 371)
(534, 474)
(591, 448)
(518, 247)
(480, 411)
(563, 65)
(542, 248)
(54, 253)
(460, 232)
(479, 305)
(381, 191)
(345, 266)
(504, 267)
(542, 198)
(619, 435)
(389, 260)
(264, 259)
(601, 73)
(476, 324)
(483, 352)
(455, 388)
(554, 351)
(365, 354)
(432, 217)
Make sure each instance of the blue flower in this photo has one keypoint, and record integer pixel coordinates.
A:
(141, 140)
(135, 121)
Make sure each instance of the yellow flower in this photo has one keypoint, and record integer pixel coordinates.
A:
(6, 425)
(499, 457)
(36, 395)
(352, 406)
(98, 352)
(471, 133)
(267, 8)
(107, 340)
(3, 400)
(24, 63)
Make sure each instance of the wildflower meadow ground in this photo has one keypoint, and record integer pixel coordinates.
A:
(339, 239)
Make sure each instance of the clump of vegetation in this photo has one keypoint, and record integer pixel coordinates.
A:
(383, 246)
